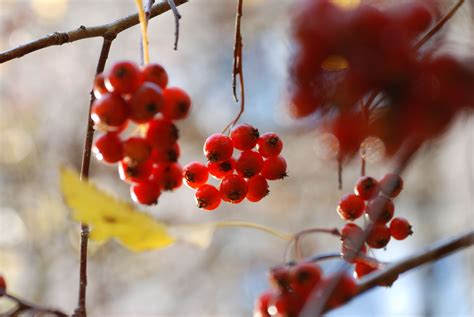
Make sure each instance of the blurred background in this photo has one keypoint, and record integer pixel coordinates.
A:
(44, 100)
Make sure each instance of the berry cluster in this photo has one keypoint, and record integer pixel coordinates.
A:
(374, 199)
(147, 161)
(293, 286)
(348, 57)
(246, 176)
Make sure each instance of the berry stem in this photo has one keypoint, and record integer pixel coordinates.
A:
(298, 236)
(143, 28)
(177, 17)
(243, 224)
(22, 306)
(85, 166)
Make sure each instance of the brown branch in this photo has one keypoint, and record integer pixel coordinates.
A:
(433, 253)
(109, 30)
(177, 17)
(23, 306)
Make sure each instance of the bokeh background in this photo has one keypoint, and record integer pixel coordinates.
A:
(44, 99)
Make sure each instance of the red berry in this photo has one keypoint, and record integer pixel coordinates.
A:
(380, 209)
(233, 189)
(134, 173)
(257, 188)
(176, 104)
(99, 86)
(168, 176)
(351, 207)
(400, 228)
(391, 185)
(304, 277)
(249, 164)
(222, 169)
(156, 74)
(195, 174)
(274, 168)
(286, 304)
(262, 304)
(280, 278)
(136, 149)
(3, 285)
(361, 269)
(162, 134)
(351, 232)
(108, 148)
(379, 237)
(146, 102)
(109, 112)
(344, 290)
(124, 78)
(244, 137)
(218, 148)
(367, 187)
(167, 155)
(146, 193)
(207, 197)
(269, 144)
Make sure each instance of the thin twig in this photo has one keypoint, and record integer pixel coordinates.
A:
(86, 158)
(109, 30)
(177, 17)
(297, 238)
(23, 306)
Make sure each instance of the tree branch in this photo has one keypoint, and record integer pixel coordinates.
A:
(23, 306)
(109, 31)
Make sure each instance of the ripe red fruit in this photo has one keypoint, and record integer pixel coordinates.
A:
(222, 169)
(244, 137)
(162, 134)
(379, 237)
(207, 197)
(262, 304)
(351, 232)
(218, 148)
(110, 112)
(146, 102)
(136, 150)
(286, 304)
(274, 168)
(280, 278)
(367, 187)
(167, 155)
(146, 193)
(361, 269)
(391, 185)
(400, 228)
(257, 188)
(249, 164)
(304, 277)
(99, 86)
(108, 148)
(168, 176)
(351, 207)
(3, 285)
(269, 144)
(233, 189)
(156, 74)
(176, 103)
(195, 174)
(380, 209)
(134, 173)
(344, 290)
(124, 78)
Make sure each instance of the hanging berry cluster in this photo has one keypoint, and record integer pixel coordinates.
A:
(246, 176)
(147, 159)
(364, 65)
(291, 288)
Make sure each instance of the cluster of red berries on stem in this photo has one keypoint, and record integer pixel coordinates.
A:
(292, 286)
(373, 199)
(147, 161)
(246, 176)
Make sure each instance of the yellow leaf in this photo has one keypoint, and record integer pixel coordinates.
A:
(346, 4)
(111, 218)
(335, 63)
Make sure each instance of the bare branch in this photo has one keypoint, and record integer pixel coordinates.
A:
(23, 306)
(177, 17)
(109, 31)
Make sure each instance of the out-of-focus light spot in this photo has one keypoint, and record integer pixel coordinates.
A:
(372, 149)
(49, 9)
(346, 4)
(16, 144)
(18, 37)
(334, 63)
(45, 218)
(326, 146)
(12, 228)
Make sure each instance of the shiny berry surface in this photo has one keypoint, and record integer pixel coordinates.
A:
(146, 102)
(367, 187)
(207, 197)
(124, 78)
(249, 163)
(108, 148)
(218, 148)
(257, 188)
(351, 207)
(269, 144)
(195, 174)
(136, 149)
(233, 189)
(110, 112)
(400, 228)
(176, 104)
(380, 209)
(379, 236)
(156, 74)
(244, 137)
(274, 168)
(145, 193)
(222, 169)
(162, 134)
